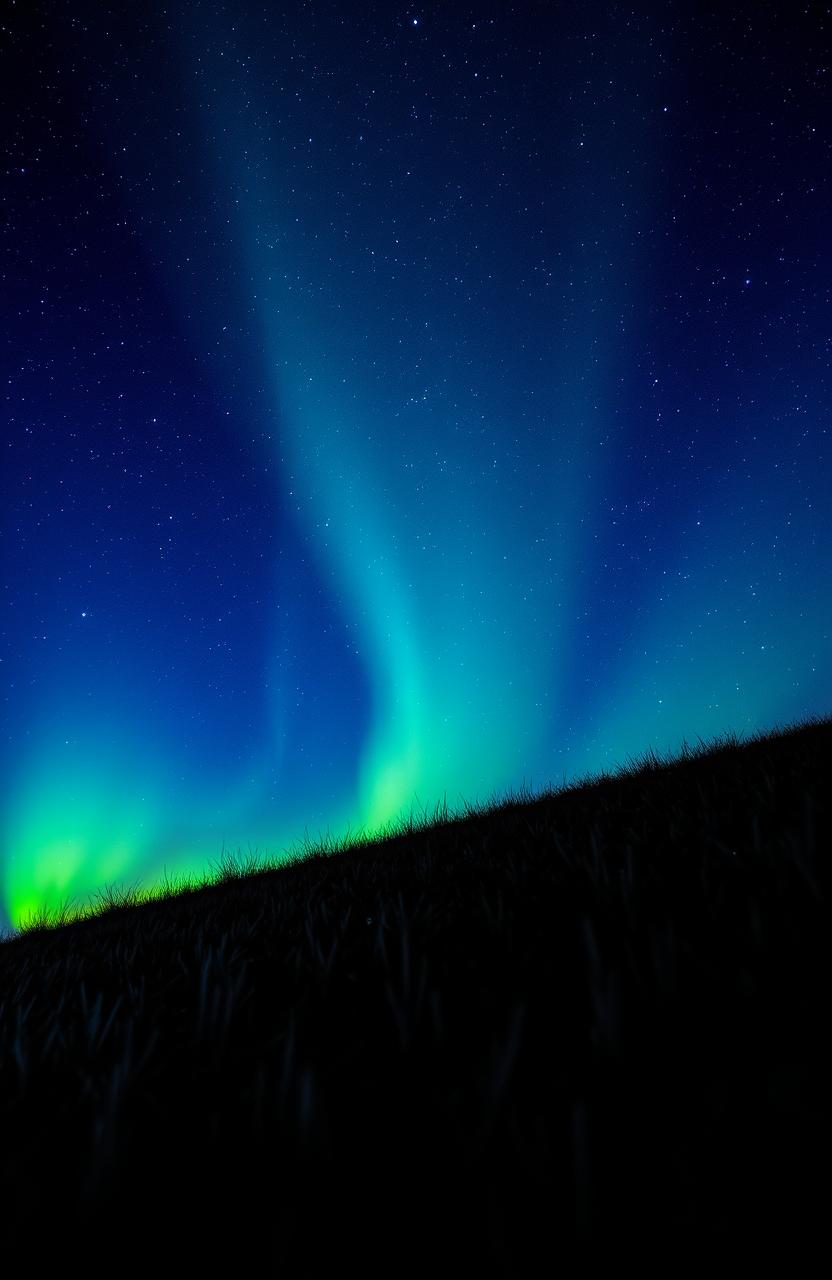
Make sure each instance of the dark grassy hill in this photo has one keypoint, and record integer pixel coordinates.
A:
(591, 1021)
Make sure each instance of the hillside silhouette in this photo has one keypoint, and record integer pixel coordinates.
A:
(558, 1027)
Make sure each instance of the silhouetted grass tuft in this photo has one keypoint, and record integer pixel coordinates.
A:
(561, 1025)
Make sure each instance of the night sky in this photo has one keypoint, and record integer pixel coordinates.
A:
(400, 403)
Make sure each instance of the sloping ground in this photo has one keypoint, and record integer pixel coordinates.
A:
(589, 1022)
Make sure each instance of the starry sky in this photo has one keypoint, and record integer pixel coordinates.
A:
(401, 404)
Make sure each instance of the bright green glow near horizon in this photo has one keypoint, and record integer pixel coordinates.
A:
(74, 826)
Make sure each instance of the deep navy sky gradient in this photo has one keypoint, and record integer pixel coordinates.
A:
(399, 401)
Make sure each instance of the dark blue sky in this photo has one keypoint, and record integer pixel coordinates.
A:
(400, 402)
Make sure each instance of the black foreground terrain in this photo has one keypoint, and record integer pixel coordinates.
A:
(560, 1028)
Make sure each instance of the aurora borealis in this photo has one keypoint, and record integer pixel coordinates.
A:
(401, 403)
